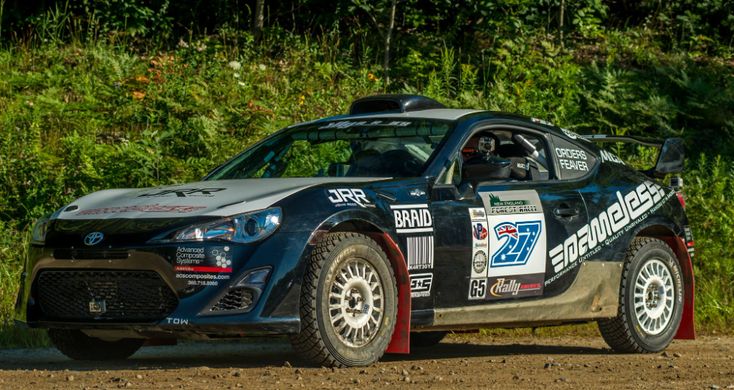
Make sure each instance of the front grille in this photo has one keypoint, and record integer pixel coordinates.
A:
(90, 254)
(237, 298)
(104, 295)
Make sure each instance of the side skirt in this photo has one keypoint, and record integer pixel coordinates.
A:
(593, 295)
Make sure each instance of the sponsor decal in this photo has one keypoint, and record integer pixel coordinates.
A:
(184, 192)
(480, 242)
(189, 256)
(374, 123)
(477, 214)
(627, 212)
(153, 208)
(341, 197)
(223, 258)
(417, 193)
(610, 157)
(477, 289)
(420, 252)
(97, 306)
(480, 232)
(420, 285)
(412, 218)
(202, 266)
(480, 262)
(177, 321)
(523, 202)
(572, 159)
(93, 238)
(518, 241)
(515, 287)
(513, 248)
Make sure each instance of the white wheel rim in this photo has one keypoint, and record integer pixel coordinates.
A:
(654, 297)
(356, 303)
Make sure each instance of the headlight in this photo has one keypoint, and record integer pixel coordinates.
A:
(39, 231)
(242, 228)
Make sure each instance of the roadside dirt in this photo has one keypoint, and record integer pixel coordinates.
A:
(460, 361)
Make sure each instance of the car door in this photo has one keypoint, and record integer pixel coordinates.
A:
(492, 243)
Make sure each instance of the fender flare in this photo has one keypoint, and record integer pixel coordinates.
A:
(400, 341)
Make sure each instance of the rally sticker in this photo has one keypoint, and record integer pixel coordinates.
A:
(517, 243)
(420, 285)
(509, 246)
(203, 266)
(412, 218)
(620, 217)
(480, 252)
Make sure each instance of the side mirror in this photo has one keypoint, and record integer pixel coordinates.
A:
(670, 159)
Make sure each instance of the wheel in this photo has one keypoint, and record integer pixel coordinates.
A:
(650, 299)
(78, 346)
(426, 339)
(348, 302)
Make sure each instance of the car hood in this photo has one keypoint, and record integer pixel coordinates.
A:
(204, 198)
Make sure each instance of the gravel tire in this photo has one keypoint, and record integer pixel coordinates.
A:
(78, 346)
(426, 339)
(632, 330)
(319, 341)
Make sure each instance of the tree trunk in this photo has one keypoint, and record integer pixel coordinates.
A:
(560, 22)
(258, 21)
(388, 41)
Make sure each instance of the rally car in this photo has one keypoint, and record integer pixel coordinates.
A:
(367, 233)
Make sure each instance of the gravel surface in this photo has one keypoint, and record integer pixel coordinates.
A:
(461, 361)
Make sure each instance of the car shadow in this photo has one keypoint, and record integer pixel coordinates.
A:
(450, 350)
(259, 353)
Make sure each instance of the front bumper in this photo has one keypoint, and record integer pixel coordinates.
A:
(200, 276)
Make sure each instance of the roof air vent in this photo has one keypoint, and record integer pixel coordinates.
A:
(392, 103)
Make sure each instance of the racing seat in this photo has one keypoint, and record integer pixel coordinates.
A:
(365, 163)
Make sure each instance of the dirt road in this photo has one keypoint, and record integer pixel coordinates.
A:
(461, 361)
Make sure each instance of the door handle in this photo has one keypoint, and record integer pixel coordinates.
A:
(566, 211)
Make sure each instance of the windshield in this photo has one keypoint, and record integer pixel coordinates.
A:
(370, 148)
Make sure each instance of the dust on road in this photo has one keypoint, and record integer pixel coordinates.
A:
(461, 361)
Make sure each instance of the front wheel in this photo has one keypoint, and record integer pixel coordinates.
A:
(78, 346)
(650, 299)
(348, 302)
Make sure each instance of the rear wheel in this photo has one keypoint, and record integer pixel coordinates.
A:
(348, 302)
(650, 299)
(78, 346)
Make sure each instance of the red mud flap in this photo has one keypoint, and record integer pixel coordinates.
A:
(686, 330)
(400, 342)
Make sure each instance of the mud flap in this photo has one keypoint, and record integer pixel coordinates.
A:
(686, 330)
(400, 342)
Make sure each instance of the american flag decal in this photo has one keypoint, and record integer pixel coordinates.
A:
(420, 252)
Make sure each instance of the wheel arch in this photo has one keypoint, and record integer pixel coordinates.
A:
(368, 224)
(686, 330)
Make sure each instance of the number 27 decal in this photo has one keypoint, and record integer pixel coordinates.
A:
(518, 241)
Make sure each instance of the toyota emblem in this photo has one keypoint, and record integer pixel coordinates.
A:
(93, 238)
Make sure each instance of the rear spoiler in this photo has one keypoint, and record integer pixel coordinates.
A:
(671, 157)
